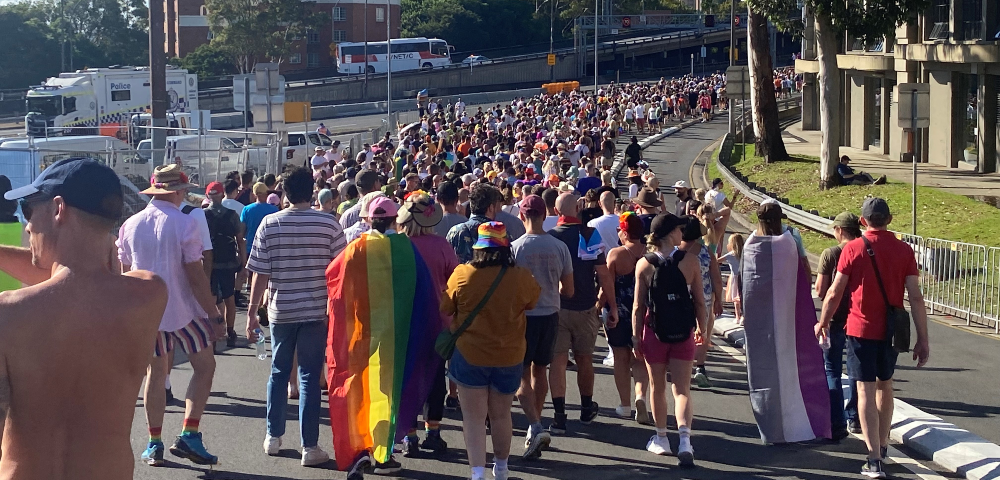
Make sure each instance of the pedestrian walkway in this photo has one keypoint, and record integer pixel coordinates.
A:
(980, 186)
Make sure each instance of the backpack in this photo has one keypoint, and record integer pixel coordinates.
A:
(223, 231)
(670, 304)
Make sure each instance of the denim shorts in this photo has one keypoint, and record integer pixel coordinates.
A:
(504, 380)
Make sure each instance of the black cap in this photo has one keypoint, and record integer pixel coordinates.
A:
(664, 223)
(83, 183)
(875, 209)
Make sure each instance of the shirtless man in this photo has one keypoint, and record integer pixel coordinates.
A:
(63, 329)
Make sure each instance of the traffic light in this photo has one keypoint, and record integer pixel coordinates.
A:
(709, 21)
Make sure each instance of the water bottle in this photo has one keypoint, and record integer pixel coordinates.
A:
(261, 344)
(824, 342)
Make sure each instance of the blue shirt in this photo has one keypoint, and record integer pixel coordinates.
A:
(586, 184)
(844, 170)
(251, 216)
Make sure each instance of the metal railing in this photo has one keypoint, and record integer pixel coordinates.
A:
(956, 278)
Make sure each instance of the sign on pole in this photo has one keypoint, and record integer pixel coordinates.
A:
(737, 81)
(551, 59)
(626, 22)
(736, 20)
(906, 92)
(268, 98)
(704, 51)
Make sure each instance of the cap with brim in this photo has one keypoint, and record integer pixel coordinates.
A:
(648, 198)
(259, 188)
(532, 206)
(83, 183)
(214, 187)
(168, 179)
(383, 207)
(566, 187)
(680, 184)
(875, 208)
(492, 235)
(664, 223)
(770, 211)
(420, 208)
(846, 220)
(633, 173)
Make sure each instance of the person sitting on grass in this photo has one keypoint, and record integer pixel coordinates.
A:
(849, 177)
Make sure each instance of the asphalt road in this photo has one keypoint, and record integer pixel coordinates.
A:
(726, 440)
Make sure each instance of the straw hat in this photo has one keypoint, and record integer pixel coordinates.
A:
(420, 208)
(168, 179)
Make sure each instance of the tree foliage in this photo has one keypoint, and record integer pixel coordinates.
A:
(250, 31)
(96, 33)
(208, 60)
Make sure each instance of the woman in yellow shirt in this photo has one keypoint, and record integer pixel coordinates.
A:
(488, 358)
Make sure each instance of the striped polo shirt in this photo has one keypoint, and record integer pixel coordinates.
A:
(294, 246)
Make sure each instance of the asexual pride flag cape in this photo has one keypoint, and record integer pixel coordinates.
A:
(788, 390)
(381, 346)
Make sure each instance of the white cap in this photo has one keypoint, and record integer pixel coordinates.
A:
(681, 184)
(769, 201)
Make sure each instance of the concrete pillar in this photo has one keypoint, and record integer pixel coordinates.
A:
(888, 124)
(944, 143)
(845, 108)
(810, 102)
(987, 122)
(861, 104)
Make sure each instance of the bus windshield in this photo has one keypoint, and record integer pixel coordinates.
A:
(439, 48)
(49, 105)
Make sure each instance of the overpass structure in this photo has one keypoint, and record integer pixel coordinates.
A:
(505, 73)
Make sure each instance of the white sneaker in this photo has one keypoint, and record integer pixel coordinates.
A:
(272, 445)
(314, 456)
(500, 474)
(658, 445)
(609, 361)
(685, 453)
(623, 411)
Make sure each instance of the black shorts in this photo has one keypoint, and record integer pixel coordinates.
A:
(870, 360)
(541, 336)
(223, 284)
(621, 335)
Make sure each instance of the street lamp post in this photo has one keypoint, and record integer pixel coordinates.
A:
(388, 72)
(552, 23)
(595, 46)
(732, 58)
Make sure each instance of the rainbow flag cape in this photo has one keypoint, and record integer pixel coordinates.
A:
(380, 351)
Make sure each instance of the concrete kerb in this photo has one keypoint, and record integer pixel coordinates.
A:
(954, 448)
(619, 164)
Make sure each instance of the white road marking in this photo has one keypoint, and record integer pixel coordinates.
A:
(894, 455)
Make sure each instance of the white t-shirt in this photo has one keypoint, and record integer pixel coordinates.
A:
(233, 205)
(607, 226)
(206, 237)
(549, 223)
(715, 198)
(640, 112)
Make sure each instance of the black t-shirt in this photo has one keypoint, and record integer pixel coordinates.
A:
(632, 153)
(584, 271)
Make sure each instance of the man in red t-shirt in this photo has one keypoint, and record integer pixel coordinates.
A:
(871, 359)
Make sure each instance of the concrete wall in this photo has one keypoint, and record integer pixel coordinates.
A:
(860, 123)
(943, 148)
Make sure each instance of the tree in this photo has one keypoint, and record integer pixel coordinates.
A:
(869, 20)
(29, 47)
(767, 131)
(249, 31)
(208, 60)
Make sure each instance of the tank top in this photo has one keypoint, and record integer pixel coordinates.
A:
(625, 292)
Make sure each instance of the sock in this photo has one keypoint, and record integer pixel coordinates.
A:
(154, 434)
(499, 464)
(661, 432)
(559, 405)
(586, 401)
(684, 431)
(190, 425)
(701, 368)
(477, 472)
(432, 426)
(535, 428)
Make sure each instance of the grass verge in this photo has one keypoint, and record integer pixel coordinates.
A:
(939, 214)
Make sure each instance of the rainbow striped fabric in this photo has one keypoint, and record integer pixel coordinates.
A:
(380, 351)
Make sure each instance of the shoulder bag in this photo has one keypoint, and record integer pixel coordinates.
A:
(897, 319)
(444, 345)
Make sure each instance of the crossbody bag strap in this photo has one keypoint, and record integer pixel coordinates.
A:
(482, 303)
(878, 276)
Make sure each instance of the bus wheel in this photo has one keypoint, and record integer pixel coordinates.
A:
(427, 66)
(371, 69)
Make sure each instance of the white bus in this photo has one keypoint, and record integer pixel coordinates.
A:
(407, 54)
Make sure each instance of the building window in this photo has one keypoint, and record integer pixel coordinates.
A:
(295, 58)
(340, 35)
(312, 60)
(940, 14)
(380, 14)
(313, 37)
(972, 20)
(339, 14)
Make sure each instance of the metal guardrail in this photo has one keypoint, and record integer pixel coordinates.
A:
(956, 278)
(602, 48)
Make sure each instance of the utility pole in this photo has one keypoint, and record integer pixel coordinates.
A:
(364, 86)
(157, 79)
(596, 34)
(732, 59)
(388, 71)
(552, 24)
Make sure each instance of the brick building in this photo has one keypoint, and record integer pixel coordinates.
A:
(346, 21)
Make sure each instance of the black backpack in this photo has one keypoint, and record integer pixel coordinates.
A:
(670, 303)
(222, 227)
